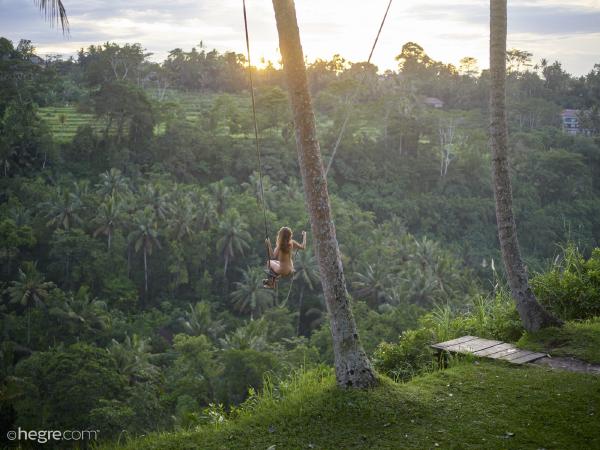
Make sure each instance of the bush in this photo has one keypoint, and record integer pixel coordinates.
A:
(409, 357)
(571, 288)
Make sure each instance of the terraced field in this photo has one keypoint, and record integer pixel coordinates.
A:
(65, 120)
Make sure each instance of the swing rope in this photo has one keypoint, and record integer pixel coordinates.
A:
(352, 99)
(260, 175)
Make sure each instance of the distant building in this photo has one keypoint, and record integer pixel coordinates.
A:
(433, 101)
(570, 122)
(35, 59)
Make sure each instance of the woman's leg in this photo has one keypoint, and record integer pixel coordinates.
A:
(275, 266)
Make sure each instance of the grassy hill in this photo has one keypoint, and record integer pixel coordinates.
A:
(472, 404)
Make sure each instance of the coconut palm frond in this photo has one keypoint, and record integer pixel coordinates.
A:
(54, 12)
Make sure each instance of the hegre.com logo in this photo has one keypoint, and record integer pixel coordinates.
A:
(43, 436)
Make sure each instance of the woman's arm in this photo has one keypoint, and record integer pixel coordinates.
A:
(303, 245)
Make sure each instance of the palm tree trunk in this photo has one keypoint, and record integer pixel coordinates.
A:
(145, 275)
(300, 301)
(28, 324)
(352, 367)
(532, 314)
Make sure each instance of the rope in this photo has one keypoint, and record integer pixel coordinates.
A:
(260, 175)
(355, 94)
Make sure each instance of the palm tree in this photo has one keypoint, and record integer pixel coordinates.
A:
(234, 237)
(353, 368)
(221, 193)
(63, 208)
(112, 184)
(108, 218)
(83, 309)
(307, 275)
(152, 196)
(145, 237)
(54, 11)
(249, 295)
(198, 320)
(134, 358)
(372, 284)
(251, 336)
(29, 290)
(183, 215)
(532, 314)
(206, 211)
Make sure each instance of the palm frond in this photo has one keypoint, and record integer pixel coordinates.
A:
(54, 12)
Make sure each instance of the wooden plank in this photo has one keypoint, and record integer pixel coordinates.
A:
(472, 346)
(518, 354)
(528, 358)
(491, 350)
(443, 345)
(501, 354)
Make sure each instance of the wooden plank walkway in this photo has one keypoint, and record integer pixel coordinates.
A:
(487, 348)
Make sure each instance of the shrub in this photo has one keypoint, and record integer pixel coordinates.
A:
(571, 288)
(409, 357)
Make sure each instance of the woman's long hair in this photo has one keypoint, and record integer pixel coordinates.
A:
(284, 239)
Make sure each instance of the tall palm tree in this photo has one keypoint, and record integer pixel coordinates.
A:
(182, 216)
(145, 237)
(112, 184)
(30, 289)
(153, 196)
(108, 218)
(206, 211)
(63, 209)
(352, 367)
(249, 295)
(221, 193)
(234, 237)
(532, 314)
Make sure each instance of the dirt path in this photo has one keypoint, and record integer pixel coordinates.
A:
(568, 363)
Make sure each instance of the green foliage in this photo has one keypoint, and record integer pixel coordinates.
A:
(575, 339)
(143, 210)
(410, 357)
(63, 385)
(243, 369)
(571, 286)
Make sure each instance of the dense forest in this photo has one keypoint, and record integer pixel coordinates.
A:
(131, 224)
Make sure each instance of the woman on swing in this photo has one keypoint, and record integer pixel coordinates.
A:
(280, 262)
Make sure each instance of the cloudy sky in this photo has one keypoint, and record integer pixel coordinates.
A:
(553, 29)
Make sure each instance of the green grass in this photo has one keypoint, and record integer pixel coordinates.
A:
(472, 405)
(578, 339)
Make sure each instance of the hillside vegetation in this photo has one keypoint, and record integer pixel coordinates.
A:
(132, 250)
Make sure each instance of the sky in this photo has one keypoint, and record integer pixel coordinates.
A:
(568, 31)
